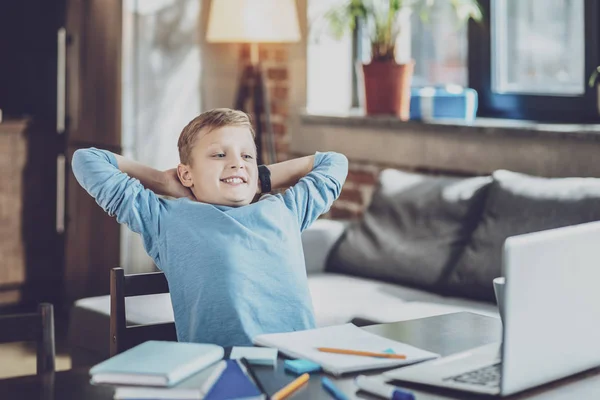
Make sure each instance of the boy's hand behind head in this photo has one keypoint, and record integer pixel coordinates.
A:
(173, 186)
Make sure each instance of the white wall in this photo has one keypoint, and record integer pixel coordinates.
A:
(161, 81)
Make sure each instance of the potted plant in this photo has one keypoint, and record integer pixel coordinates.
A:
(387, 83)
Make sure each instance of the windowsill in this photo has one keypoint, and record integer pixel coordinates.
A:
(481, 147)
(487, 126)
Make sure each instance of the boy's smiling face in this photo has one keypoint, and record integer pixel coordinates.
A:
(223, 167)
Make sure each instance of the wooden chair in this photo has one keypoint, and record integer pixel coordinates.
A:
(124, 337)
(33, 327)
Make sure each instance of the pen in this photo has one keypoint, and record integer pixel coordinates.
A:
(332, 389)
(382, 389)
(361, 353)
(254, 377)
(291, 387)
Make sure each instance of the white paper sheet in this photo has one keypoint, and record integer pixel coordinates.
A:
(303, 344)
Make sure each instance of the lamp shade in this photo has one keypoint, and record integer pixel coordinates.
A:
(253, 21)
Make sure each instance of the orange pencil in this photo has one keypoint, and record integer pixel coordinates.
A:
(291, 387)
(361, 353)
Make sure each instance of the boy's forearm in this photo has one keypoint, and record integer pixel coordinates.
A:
(149, 177)
(288, 173)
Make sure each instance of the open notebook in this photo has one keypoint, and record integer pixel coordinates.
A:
(303, 344)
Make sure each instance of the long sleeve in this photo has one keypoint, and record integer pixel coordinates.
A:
(119, 195)
(314, 194)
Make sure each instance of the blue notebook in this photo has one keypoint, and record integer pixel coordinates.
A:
(233, 384)
(156, 363)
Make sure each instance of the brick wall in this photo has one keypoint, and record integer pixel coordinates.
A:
(357, 191)
(362, 177)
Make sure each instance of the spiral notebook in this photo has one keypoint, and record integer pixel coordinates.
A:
(303, 344)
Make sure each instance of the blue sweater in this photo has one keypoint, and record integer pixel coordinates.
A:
(233, 272)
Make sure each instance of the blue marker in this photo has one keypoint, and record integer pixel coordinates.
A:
(332, 389)
(382, 389)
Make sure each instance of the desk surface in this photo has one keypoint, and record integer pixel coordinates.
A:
(446, 334)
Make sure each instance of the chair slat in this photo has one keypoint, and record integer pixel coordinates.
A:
(138, 334)
(144, 284)
(20, 328)
(46, 349)
(33, 327)
(125, 337)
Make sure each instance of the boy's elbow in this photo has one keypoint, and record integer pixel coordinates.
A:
(342, 160)
(338, 160)
(78, 160)
(76, 156)
(342, 166)
(80, 156)
(81, 161)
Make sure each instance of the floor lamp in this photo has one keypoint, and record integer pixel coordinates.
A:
(254, 22)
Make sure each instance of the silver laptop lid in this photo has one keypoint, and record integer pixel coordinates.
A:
(552, 305)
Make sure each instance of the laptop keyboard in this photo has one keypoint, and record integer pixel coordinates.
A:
(487, 376)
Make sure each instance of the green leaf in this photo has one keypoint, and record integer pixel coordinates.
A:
(594, 77)
(380, 19)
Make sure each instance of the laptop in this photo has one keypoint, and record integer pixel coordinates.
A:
(551, 322)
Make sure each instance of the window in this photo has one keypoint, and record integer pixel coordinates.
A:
(538, 47)
(530, 59)
(329, 64)
(437, 46)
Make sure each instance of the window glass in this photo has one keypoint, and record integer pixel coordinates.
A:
(538, 47)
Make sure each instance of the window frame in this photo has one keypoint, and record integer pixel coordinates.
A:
(547, 108)
(357, 50)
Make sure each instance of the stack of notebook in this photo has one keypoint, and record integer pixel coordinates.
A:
(224, 380)
(156, 363)
(184, 371)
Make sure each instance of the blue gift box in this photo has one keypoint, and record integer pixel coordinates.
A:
(445, 102)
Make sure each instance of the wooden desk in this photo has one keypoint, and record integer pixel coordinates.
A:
(446, 334)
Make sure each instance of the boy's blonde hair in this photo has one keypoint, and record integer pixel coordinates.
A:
(209, 121)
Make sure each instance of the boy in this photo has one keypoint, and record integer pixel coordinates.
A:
(235, 268)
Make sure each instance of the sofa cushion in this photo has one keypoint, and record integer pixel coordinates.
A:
(339, 298)
(414, 229)
(517, 204)
(317, 242)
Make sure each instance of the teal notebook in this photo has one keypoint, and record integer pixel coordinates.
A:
(156, 363)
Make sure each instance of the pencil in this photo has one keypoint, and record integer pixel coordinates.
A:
(361, 353)
(291, 387)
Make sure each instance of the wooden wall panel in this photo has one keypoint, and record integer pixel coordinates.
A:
(13, 155)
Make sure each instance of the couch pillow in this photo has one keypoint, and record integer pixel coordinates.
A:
(414, 229)
(517, 204)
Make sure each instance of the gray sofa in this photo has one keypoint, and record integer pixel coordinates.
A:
(337, 298)
(427, 245)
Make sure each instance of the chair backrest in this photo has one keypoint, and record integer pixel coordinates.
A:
(123, 337)
(33, 327)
